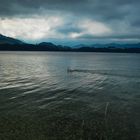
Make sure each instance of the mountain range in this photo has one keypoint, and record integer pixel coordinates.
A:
(12, 44)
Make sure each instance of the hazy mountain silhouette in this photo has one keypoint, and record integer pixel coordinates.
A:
(9, 40)
(109, 45)
(11, 44)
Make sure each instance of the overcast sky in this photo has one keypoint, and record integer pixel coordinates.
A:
(71, 21)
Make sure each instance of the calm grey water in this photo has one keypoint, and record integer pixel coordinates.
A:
(36, 82)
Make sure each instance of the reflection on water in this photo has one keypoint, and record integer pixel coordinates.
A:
(71, 89)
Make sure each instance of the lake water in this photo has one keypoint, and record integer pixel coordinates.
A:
(40, 99)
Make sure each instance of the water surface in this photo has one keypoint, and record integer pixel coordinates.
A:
(100, 94)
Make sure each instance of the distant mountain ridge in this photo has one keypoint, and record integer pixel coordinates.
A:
(9, 40)
(110, 45)
(11, 44)
(46, 44)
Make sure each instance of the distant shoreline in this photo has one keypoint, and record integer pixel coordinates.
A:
(63, 49)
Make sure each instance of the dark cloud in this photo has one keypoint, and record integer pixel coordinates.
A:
(69, 28)
(107, 9)
(17, 7)
(110, 12)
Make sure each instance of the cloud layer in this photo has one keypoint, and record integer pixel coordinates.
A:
(81, 19)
